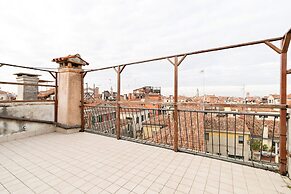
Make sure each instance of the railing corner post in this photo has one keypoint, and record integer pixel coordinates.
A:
(117, 104)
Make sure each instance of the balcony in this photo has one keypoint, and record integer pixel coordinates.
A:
(242, 137)
(90, 163)
(195, 148)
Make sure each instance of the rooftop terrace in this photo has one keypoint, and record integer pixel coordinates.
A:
(90, 163)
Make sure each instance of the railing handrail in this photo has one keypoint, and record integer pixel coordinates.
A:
(199, 111)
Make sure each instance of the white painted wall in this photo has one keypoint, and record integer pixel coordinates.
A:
(32, 110)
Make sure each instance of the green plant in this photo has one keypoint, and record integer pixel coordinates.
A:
(255, 144)
(265, 147)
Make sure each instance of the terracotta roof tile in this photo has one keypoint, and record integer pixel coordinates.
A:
(71, 58)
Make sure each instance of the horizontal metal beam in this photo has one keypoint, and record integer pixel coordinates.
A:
(26, 84)
(25, 67)
(193, 53)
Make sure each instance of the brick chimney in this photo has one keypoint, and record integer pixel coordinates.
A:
(69, 90)
(27, 92)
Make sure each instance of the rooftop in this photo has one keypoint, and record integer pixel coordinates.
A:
(84, 162)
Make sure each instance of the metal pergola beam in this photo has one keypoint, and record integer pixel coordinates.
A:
(193, 53)
(25, 67)
(26, 84)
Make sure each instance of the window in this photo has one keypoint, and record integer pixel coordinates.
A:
(137, 119)
(207, 136)
(142, 118)
(240, 139)
(99, 119)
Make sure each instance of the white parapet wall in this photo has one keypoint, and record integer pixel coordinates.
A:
(22, 119)
(13, 129)
(28, 110)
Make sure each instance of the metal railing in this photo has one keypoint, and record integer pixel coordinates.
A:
(243, 137)
(176, 61)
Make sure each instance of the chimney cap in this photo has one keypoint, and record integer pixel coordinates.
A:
(75, 59)
(27, 74)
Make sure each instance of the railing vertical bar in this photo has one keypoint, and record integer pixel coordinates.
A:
(226, 120)
(262, 139)
(186, 130)
(198, 133)
(192, 130)
(180, 128)
(161, 127)
(138, 116)
(151, 125)
(211, 121)
(93, 115)
(170, 129)
(155, 126)
(100, 124)
(219, 152)
(243, 146)
(205, 141)
(110, 120)
(106, 118)
(134, 123)
(273, 133)
(165, 128)
(235, 136)
(123, 123)
(146, 113)
(252, 139)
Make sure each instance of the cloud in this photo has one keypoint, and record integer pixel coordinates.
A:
(114, 32)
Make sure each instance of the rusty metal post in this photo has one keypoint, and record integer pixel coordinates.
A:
(82, 103)
(118, 71)
(283, 114)
(176, 64)
(56, 98)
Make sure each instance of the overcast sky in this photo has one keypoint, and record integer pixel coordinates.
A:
(106, 32)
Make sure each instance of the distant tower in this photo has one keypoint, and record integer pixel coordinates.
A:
(111, 91)
(197, 92)
(248, 94)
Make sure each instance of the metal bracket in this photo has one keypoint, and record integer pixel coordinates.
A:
(119, 70)
(54, 76)
(286, 41)
(179, 61)
(84, 74)
(279, 51)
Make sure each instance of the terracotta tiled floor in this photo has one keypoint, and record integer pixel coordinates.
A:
(89, 163)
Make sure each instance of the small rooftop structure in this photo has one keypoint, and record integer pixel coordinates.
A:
(71, 61)
(27, 92)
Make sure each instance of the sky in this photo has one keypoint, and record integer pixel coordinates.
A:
(107, 32)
